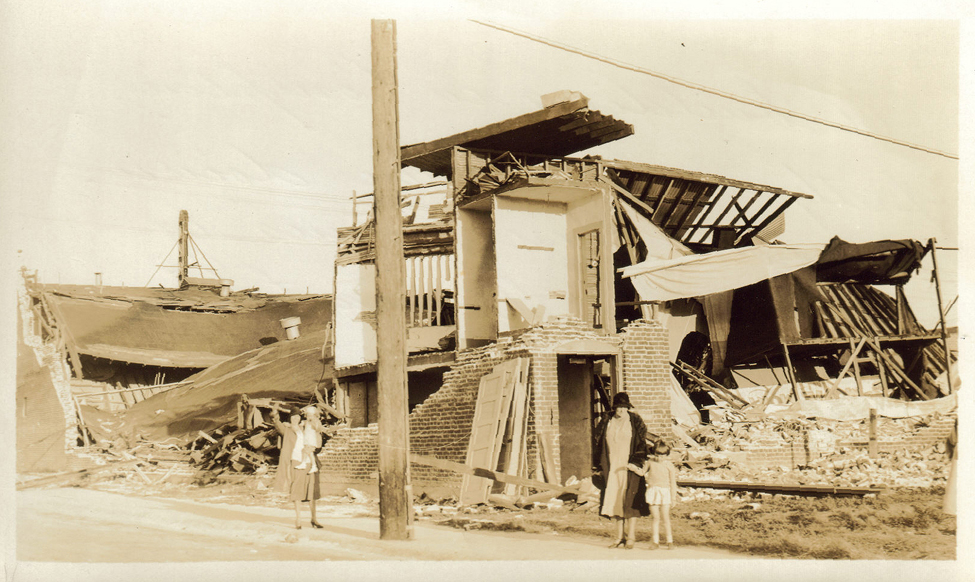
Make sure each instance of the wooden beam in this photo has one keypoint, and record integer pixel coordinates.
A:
(707, 190)
(854, 350)
(489, 474)
(792, 375)
(783, 489)
(694, 176)
(883, 356)
(941, 313)
(395, 489)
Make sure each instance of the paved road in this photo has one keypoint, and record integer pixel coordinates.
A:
(82, 525)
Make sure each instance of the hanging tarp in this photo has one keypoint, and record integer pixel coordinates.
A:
(698, 275)
(878, 262)
(659, 245)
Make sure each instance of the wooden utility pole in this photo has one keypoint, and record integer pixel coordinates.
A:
(184, 247)
(941, 314)
(395, 490)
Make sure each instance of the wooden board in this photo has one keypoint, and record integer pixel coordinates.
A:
(517, 457)
(493, 394)
(487, 474)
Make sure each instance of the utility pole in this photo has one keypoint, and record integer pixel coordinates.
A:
(184, 244)
(395, 490)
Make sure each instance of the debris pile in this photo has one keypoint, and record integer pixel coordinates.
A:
(837, 454)
(248, 444)
(148, 463)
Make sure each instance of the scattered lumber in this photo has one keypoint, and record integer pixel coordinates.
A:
(706, 383)
(66, 478)
(249, 443)
(488, 474)
(813, 490)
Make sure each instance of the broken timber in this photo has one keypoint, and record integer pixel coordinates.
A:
(710, 385)
(783, 489)
(487, 474)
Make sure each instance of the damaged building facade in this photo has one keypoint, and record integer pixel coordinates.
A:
(540, 284)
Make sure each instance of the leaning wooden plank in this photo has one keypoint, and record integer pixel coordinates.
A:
(207, 437)
(702, 377)
(483, 447)
(488, 474)
(783, 489)
(516, 448)
(545, 450)
(710, 385)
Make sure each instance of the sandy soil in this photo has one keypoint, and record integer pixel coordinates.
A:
(86, 525)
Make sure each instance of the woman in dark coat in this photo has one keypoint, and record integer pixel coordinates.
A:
(621, 440)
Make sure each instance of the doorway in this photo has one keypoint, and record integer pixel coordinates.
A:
(586, 388)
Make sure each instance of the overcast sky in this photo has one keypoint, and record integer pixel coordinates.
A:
(257, 120)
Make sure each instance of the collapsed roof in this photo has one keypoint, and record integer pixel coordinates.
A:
(208, 399)
(168, 328)
(559, 130)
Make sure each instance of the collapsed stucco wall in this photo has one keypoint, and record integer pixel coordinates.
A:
(441, 426)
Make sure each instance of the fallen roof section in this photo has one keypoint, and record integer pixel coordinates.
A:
(559, 130)
(209, 398)
(145, 333)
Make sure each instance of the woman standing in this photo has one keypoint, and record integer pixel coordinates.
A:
(622, 441)
(298, 466)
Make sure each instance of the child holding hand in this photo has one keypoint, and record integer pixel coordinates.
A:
(661, 478)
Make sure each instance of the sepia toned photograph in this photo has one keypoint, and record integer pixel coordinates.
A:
(380, 293)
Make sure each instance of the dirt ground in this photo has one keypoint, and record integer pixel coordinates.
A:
(126, 520)
(230, 523)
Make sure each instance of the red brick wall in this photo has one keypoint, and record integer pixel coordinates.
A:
(441, 426)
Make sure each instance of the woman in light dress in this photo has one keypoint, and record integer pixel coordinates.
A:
(622, 441)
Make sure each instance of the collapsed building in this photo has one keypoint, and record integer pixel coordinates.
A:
(101, 349)
(540, 284)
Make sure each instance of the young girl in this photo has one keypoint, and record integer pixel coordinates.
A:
(661, 477)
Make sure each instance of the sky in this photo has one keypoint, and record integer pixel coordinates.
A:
(257, 120)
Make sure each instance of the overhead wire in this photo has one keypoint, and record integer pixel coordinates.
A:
(709, 90)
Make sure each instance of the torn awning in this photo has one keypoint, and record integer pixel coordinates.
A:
(698, 275)
(878, 262)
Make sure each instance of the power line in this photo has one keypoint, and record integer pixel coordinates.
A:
(705, 89)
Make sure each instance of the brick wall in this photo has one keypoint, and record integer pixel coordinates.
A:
(441, 426)
(646, 370)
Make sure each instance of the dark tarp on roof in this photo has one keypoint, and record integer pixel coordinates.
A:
(208, 399)
(878, 262)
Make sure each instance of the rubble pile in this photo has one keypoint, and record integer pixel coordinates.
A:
(727, 433)
(239, 449)
(837, 454)
(248, 444)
